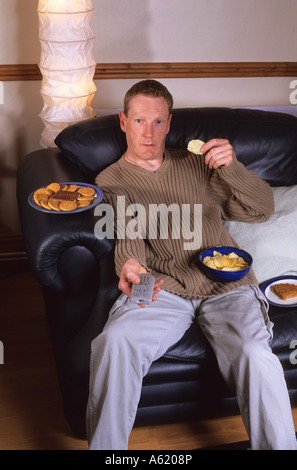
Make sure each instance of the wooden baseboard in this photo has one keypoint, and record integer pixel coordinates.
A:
(11, 244)
(10, 265)
(13, 257)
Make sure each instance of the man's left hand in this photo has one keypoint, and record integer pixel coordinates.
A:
(219, 152)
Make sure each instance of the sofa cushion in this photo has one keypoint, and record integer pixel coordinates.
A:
(261, 139)
(93, 144)
(264, 141)
(192, 347)
(272, 244)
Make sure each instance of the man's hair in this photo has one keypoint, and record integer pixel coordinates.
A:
(151, 88)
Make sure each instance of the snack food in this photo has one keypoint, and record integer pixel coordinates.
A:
(230, 262)
(64, 197)
(285, 290)
(53, 187)
(194, 146)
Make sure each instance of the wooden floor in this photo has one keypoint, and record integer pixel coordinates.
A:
(31, 415)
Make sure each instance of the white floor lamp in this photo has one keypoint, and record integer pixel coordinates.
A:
(66, 63)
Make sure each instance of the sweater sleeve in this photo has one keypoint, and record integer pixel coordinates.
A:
(245, 196)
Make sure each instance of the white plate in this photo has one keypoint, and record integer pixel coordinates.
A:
(274, 299)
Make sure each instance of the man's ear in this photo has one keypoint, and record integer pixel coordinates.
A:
(122, 117)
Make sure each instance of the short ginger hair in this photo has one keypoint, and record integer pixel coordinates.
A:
(151, 88)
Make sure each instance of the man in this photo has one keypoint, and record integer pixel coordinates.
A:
(233, 316)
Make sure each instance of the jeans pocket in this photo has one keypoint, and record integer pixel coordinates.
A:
(264, 308)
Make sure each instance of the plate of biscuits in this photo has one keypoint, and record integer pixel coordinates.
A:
(65, 198)
(281, 291)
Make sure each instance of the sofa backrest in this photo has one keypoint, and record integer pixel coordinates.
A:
(264, 141)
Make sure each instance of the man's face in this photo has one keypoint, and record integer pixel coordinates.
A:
(146, 127)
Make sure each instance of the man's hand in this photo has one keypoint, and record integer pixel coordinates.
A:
(129, 276)
(219, 152)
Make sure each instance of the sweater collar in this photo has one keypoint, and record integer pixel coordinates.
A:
(138, 170)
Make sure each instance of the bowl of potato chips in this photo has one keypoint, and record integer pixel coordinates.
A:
(225, 263)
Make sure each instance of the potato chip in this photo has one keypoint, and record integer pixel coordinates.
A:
(221, 262)
(208, 261)
(195, 146)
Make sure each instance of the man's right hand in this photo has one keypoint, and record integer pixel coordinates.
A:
(129, 276)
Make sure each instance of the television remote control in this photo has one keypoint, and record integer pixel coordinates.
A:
(142, 293)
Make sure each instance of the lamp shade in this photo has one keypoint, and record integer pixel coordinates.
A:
(66, 63)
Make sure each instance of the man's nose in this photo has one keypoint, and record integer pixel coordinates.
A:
(148, 131)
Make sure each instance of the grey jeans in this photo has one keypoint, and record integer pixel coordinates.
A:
(239, 330)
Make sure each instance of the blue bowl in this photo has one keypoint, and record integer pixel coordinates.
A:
(225, 276)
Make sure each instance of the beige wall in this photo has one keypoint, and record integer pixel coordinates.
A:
(195, 30)
(146, 31)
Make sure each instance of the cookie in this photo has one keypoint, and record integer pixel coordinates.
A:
(85, 191)
(67, 206)
(54, 187)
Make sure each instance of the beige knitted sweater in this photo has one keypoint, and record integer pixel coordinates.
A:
(198, 194)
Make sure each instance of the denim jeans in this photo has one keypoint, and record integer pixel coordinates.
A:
(239, 330)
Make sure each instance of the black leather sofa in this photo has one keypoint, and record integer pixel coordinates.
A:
(76, 270)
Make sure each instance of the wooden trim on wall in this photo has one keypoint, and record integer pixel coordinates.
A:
(111, 71)
(196, 70)
(19, 72)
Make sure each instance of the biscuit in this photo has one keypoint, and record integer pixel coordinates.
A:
(54, 187)
(44, 204)
(72, 187)
(83, 203)
(54, 204)
(67, 206)
(85, 191)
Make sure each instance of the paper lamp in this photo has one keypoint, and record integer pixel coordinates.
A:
(66, 63)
